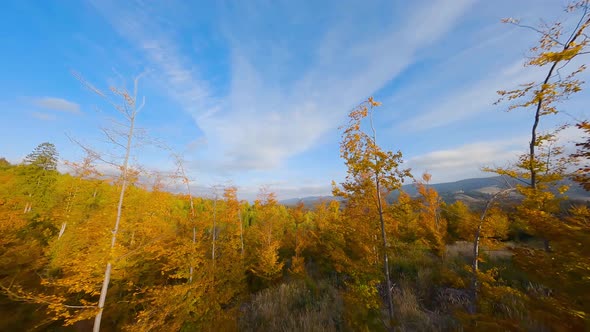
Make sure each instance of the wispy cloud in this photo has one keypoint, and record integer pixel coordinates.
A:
(172, 71)
(43, 116)
(262, 122)
(57, 104)
(266, 123)
(469, 100)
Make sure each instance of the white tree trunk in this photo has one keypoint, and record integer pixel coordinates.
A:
(476, 240)
(241, 230)
(130, 112)
(185, 179)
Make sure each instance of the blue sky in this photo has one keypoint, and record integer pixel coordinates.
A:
(253, 92)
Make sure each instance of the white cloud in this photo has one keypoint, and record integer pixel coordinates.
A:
(466, 161)
(57, 104)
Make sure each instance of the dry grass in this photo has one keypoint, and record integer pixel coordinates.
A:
(294, 307)
(465, 249)
(411, 315)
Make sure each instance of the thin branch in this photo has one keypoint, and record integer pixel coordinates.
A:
(94, 89)
(121, 77)
(31, 299)
(141, 105)
(111, 138)
(571, 37)
(538, 31)
(135, 87)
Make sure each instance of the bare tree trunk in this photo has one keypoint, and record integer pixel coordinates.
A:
(107, 273)
(476, 240)
(185, 179)
(29, 204)
(571, 42)
(475, 267)
(214, 231)
(70, 203)
(27, 207)
(130, 110)
(385, 256)
(62, 230)
(383, 234)
(241, 230)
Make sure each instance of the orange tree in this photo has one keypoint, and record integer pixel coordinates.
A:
(372, 173)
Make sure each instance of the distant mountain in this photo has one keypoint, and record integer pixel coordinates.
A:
(471, 191)
(309, 201)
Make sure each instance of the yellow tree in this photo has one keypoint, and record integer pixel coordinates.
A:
(433, 226)
(168, 294)
(488, 225)
(329, 238)
(371, 174)
(265, 241)
(182, 175)
(82, 171)
(230, 266)
(558, 46)
(555, 50)
(406, 211)
(298, 214)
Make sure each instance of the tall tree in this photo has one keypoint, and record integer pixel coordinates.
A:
(181, 173)
(82, 171)
(265, 239)
(371, 172)
(44, 156)
(40, 169)
(128, 108)
(432, 225)
(556, 49)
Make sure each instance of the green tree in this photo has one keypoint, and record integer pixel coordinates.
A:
(40, 170)
(44, 156)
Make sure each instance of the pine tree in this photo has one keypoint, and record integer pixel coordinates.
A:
(44, 156)
(40, 167)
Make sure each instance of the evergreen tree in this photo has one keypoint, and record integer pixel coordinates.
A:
(40, 170)
(44, 156)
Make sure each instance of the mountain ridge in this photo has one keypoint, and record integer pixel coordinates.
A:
(472, 189)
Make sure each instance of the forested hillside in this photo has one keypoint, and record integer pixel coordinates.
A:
(190, 263)
(118, 250)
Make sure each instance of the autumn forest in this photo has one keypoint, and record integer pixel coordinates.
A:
(106, 245)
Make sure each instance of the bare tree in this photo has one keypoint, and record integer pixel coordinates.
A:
(186, 181)
(83, 170)
(122, 137)
(476, 241)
